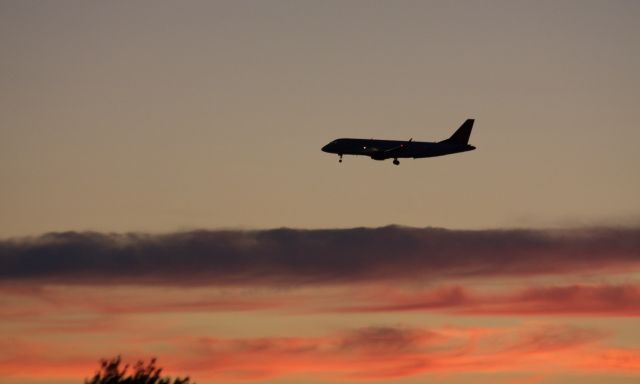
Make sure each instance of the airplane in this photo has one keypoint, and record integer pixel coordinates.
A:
(395, 149)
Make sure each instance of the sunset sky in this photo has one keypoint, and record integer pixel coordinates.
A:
(163, 193)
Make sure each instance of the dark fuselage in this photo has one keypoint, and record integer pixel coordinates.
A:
(394, 149)
(387, 149)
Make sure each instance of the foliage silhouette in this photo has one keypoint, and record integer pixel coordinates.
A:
(111, 372)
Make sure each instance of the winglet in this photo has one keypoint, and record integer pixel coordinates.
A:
(461, 135)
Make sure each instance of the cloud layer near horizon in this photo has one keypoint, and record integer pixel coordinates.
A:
(592, 300)
(365, 353)
(390, 303)
(290, 256)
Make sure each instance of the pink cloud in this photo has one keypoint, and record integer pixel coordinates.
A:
(596, 300)
(370, 353)
(386, 353)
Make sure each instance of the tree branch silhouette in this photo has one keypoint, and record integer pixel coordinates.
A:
(113, 371)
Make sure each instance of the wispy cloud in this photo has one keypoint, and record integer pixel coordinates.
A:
(288, 256)
(594, 300)
(375, 353)
(109, 302)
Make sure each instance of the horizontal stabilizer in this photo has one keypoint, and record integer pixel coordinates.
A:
(461, 136)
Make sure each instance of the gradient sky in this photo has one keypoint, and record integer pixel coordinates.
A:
(161, 142)
(152, 116)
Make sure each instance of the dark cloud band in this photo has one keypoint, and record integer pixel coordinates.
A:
(289, 256)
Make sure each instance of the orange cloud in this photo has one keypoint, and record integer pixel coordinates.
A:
(388, 352)
(370, 353)
(601, 300)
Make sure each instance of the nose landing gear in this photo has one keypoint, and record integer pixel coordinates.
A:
(340, 160)
(396, 162)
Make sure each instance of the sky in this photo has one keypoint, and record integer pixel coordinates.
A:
(163, 193)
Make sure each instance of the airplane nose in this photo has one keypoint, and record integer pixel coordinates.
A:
(325, 148)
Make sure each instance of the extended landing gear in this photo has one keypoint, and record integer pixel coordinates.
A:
(396, 162)
(340, 160)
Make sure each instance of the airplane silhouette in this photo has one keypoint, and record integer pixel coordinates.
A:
(395, 149)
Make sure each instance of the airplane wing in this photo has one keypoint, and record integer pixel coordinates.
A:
(396, 149)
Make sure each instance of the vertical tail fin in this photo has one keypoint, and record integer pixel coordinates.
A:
(461, 135)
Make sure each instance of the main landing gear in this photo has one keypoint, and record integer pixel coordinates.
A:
(396, 162)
